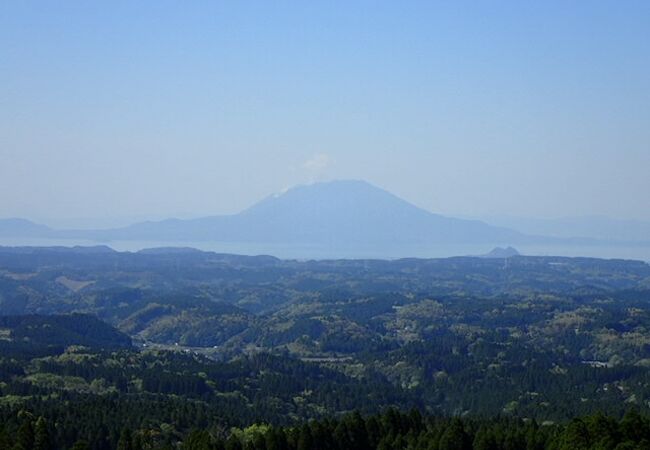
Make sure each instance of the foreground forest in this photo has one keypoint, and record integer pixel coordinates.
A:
(173, 347)
(388, 431)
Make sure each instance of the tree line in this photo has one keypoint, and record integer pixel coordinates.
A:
(391, 430)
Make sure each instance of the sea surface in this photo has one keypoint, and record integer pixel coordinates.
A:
(302, 252)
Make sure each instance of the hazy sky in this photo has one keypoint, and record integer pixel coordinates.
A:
(136, 109)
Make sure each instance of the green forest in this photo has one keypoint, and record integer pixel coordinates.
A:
(387, 431)
(188, 349)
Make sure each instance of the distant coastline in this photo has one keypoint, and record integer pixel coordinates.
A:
(294, 251)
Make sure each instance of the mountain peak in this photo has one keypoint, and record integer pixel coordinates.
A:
(355, 212)
(501, 253)
(334, 187)
(349, 197)
(341, 216)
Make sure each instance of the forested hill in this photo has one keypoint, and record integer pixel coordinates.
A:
(391, 430)
(223, 341)
(52, 334)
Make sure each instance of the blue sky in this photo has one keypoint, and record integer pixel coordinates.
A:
(148, 109)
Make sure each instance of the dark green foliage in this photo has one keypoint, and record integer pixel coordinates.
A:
(126, 440)
(81, 445)
(400, 431)
(454, 437)
(37, 335)
(390, 430)
(25, 435)
(225, 341)
(42, 439)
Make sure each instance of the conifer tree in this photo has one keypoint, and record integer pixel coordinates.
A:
(25, 436)
(126, 440)
(42, 440)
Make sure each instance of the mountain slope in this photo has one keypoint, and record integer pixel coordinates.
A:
(334, 213)
(594, 227)
(43, 331)
(22, 228)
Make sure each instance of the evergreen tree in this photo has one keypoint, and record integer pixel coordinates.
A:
(454, 437)
(25, 436)
(373, 429)
(305, 440)
(5, 442)
(126, 440)
(233, 443)
(575, 437)
(484, 440)
(197, 440)
(42, 440)
(275, 439)
(634, 427)
(358, 432)
(80, 445)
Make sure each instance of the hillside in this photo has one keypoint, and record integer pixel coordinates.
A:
(426, 326)
(23, 228)
(224, 341)
(41, 334)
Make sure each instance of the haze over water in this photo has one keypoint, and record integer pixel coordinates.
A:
(641, 253)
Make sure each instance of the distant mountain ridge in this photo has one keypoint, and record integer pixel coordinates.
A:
(338, 215)
(15, 227)
(594, 227)
(334, 213)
